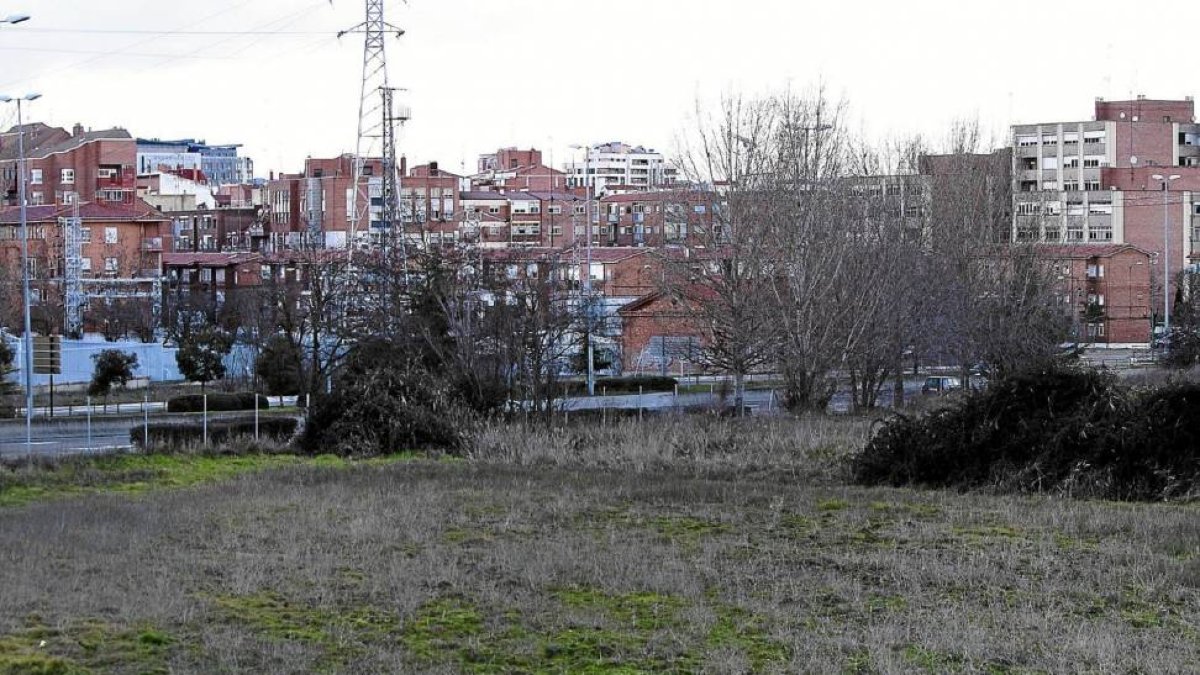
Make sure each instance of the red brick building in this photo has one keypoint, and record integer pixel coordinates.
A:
(664, 218)
(660, 334)
(510, 169)
(1105, 291)
(90, 166)
(121, 255)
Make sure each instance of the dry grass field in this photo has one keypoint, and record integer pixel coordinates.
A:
(673, 546)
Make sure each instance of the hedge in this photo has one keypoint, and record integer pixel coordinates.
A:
(622, 385)
(217, 402)
(190, 432)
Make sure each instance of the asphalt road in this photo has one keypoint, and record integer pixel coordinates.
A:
(66, 437)
(73, 436)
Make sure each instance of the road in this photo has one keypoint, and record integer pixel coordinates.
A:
(72, 436)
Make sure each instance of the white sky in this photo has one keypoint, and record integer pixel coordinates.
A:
(483, 74)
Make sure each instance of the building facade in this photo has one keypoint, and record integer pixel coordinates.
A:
(1129, 176)
(609, 166)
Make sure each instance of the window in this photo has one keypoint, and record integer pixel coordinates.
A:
(67, 176)
(110, 265)
(1100, 208)
(699, 208)
(1049, 162)
(1093, 137)
(1075, 208)
(1049, 185)
(1095, 271)
(85, 264)
(1093, 161)
(36, 199)
(1048, 139)
(1027, 208)
(1070, 138)
(1091, 185)
(110, 235)
(1070, 162)
(1099, 234)
(1071, 185)
(35, 176)
(493, 209)
(1027, 141)
(85, 235)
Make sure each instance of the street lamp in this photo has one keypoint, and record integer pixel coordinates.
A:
(21, 170)
(589, 182)
(1166, 254)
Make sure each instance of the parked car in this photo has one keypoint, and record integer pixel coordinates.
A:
(936, 385)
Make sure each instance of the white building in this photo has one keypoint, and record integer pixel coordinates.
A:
(618, 166)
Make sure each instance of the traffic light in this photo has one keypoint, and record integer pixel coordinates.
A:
(47, 354)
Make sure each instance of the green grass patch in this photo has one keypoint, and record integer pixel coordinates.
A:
(340, 632)
(594, 631)
(129, 473)
(746, 632)
(83, 647)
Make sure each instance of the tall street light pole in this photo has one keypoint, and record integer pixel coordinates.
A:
(1166, 180)
(28, 338)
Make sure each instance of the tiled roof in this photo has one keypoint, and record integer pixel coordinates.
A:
(138, 211)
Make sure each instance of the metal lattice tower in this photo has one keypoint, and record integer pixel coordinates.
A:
(374, 121)
(73, 295)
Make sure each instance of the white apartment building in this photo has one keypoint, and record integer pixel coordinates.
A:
(616, 165)
(1058, 195)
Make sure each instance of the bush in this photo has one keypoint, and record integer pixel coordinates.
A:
(622, 385)
(384, 402)
(1072, 431)
(178, 434)
(217, 402)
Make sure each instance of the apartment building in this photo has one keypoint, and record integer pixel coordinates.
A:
(1119, 178)
(64, 167)
(660, 218)
(120, 257)
(617, 166)
(1104, 291)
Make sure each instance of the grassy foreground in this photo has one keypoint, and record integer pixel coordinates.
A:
(671, 546)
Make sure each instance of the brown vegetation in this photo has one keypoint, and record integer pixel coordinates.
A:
(683, 546)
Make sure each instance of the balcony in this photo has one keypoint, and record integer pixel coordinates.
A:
(152, 244)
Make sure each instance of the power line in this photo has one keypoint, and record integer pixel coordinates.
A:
(100, 31)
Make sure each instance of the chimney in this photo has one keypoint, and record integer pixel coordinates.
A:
(433, 169)
(403, 165)
(77, 130)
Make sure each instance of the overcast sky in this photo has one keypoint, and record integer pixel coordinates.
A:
(483, 74)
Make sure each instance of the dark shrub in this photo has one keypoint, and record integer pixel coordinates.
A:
(217, 402)
(1158, 456)
(383, 402)
(177, 434)
(1032, 428)
(622, 385)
